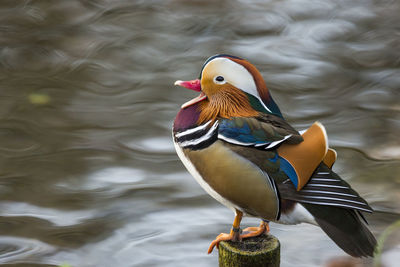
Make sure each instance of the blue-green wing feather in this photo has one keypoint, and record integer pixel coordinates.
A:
(266, 131)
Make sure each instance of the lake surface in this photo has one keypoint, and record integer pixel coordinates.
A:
(88, 172)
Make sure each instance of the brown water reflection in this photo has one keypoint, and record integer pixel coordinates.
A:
(88, 173)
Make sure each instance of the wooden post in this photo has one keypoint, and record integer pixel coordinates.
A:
(258, 251)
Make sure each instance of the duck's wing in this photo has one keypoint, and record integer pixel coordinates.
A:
(297, 155)
(264, 132)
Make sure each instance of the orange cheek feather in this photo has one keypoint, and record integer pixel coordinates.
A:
(224, 101)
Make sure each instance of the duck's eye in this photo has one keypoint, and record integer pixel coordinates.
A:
(219, 80)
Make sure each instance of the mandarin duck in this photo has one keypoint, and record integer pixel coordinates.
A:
(235, 142)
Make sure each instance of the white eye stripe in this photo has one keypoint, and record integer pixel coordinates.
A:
(219, 79)
(233, 73)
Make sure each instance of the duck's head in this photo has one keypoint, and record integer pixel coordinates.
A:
(230, 86)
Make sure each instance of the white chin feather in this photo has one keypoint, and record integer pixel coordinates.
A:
(201, 97)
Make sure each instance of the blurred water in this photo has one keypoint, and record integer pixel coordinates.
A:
(88, 173)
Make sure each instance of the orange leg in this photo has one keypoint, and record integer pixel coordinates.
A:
(234, 235)
(256, 231)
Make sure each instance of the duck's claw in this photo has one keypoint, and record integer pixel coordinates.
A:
(233, 236)
(256, 231)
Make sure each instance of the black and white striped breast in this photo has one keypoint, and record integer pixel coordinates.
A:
(198, 137)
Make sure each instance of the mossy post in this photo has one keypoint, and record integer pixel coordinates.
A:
(251, 252)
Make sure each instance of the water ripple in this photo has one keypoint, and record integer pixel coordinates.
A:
(13, 249)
